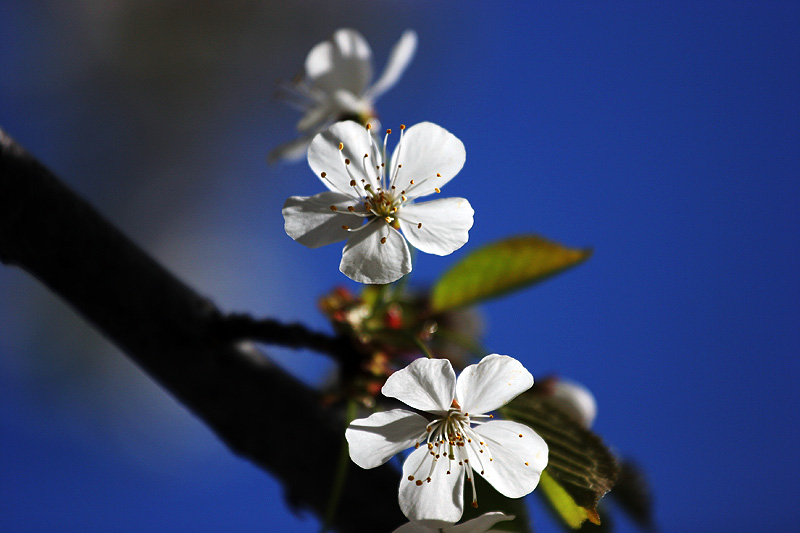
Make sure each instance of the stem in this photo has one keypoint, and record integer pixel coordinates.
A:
(342, 467)
(424, 349)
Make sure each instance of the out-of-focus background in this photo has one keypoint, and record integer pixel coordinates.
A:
(667, 137)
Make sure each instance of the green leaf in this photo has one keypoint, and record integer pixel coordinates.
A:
(570, 512)
(579, 464)
(502, 267)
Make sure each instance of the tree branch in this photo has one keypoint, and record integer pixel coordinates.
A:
(258, 410)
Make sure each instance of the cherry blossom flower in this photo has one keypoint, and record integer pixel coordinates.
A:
(476, 525)
(336, 85)
(457, 439)
(372, 198)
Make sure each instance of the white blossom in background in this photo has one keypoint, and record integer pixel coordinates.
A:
(457, 439)
(482, 524)
(575, 400)
(372, 198)
(336, 85)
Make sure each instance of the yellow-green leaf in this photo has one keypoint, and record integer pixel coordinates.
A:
(502, 267)
(570, 512)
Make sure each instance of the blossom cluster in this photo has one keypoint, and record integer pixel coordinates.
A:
(372, 202)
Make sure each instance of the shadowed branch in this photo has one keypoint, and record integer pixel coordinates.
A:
(187, 345)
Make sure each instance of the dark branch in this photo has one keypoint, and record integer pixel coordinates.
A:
(259, 411)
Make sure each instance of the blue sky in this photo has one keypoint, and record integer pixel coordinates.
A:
(665, 136)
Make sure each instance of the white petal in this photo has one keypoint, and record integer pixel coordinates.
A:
(290, 151)
(433, 504)
(316, 117)
(343, 62)
(517, 461)
(425, 384)
(411, 527)
(482, 524)
(366, 259)
(399, 58)
(310, 220)
(324, 156)
(491, 383)
(427, 149)
(445, 224)
(376, 439)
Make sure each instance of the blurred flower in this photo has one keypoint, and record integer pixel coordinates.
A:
(507, 454)
(575, 400)
(476, 525)
(368, 204)
(569, 397)
(336, 85)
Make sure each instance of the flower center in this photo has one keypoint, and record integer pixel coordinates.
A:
(452, 439)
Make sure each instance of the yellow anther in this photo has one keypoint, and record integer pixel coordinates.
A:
(475, 504)
(412, 181)
(526, 463)
(520, 435)
(388, 132)
(333, 208)
(437, 189)
(369, 126)
(388, 220)
(402, 197)
(341, 146)
(402, 126)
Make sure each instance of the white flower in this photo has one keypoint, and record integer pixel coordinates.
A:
(448, 449)
(370, 199)
(476, 525)
(336, 85)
